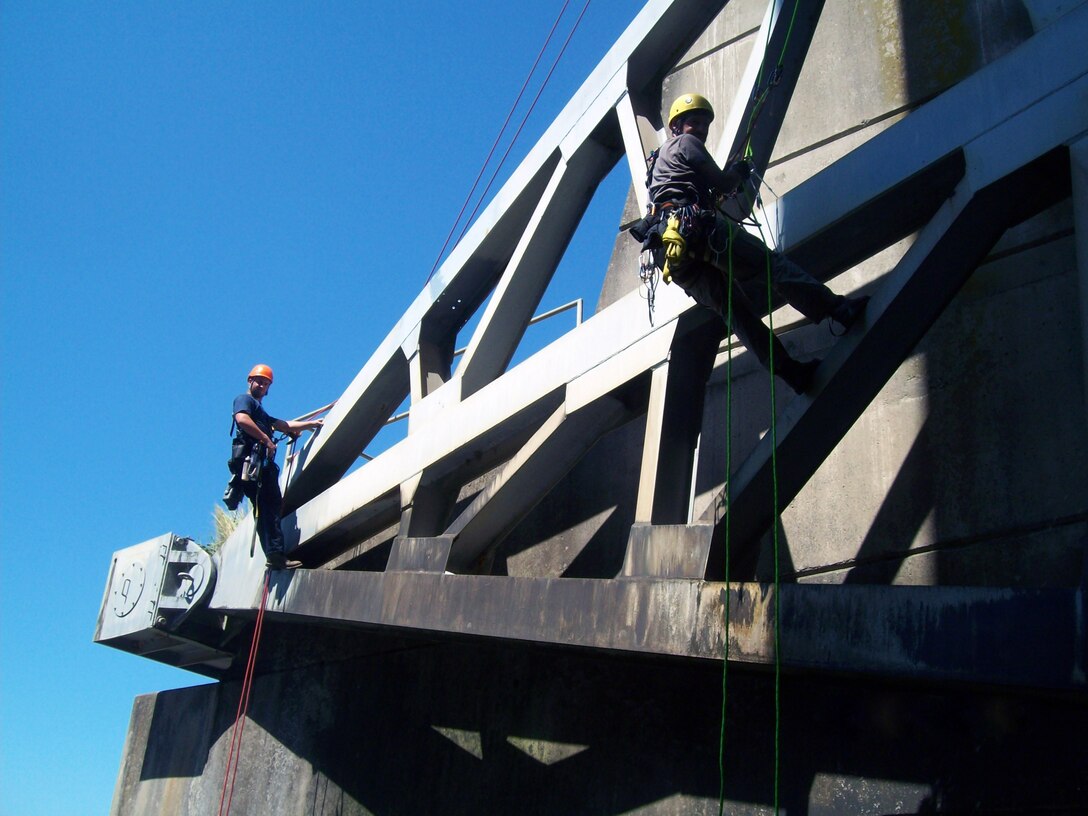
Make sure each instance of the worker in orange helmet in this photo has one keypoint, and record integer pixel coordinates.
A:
(253, 463)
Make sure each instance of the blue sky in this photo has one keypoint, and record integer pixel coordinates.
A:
(187, 189)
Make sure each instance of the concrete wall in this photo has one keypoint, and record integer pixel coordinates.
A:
(463, 728)
(962, 471)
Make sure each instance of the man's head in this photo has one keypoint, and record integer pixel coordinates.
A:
(260, 380)
(691, 113)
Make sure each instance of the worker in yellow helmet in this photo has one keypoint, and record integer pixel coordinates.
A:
(253, 464)
(699, 243)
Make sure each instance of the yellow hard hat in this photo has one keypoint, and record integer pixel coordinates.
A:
(690, 102)
(261, 370)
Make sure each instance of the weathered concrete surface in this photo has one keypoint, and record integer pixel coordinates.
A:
(474, 729)
(954, 473)
(869, 629)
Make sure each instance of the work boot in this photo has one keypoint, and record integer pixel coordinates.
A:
(798, 376)
(279, 561)
(848, 310)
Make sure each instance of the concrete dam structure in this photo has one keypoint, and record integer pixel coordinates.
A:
(625, 575)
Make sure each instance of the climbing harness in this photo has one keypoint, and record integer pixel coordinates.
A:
(682, 231)
(235, 752)
(256, 461)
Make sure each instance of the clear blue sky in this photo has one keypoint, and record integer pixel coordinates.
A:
(187, 189)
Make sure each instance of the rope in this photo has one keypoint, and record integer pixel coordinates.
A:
(760, 94)
(774, 527)
(728, 525)
(757, 109)
(528, 113)
(233, 756)
(728, 515)
(502, 130)
(647, 271)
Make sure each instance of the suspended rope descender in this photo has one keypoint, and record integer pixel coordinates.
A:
(776, 76)
(647, 272)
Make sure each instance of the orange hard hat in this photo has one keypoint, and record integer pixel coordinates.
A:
(261, 370)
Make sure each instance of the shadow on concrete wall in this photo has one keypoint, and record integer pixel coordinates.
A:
(183, 727)
(947, 41)
(985, 465)
(466, 729)
(942, 44)
(594, 489)
(902, 514)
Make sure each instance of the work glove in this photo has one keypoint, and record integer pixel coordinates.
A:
(743, 170)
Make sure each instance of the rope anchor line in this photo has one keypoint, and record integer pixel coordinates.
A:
(235, 752)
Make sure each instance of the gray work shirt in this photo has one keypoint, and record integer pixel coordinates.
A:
(685, 172)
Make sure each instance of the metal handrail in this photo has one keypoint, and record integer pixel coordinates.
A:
(574, 304)
(315, 412)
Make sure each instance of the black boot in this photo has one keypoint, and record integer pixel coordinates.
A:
(798, 376)
(233, 495)
(278, 561)
(848, 310)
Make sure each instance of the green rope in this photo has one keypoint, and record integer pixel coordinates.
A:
(774, 527)
(789, 33)
(746, 152)
(728, 511)
(774, 482)
(761, 95)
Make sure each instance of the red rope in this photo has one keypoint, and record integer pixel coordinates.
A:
(503, 130)
(524, 119)
(243, 707)
(498, 138)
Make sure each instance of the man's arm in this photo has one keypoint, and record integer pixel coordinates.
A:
(246, 423)
(724, 181)
(294, 427)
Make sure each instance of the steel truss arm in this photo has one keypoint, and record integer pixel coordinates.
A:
(518, 239)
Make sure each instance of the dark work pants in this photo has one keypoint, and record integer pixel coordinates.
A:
(267, 503)
(706, 283)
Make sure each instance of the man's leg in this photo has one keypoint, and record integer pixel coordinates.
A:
(251, 492)
(802, 291)
(268, 522)
(760, 340)
(706, 285)
(271, 503)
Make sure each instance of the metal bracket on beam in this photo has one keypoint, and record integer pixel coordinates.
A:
(420, 554)
(667, 551)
